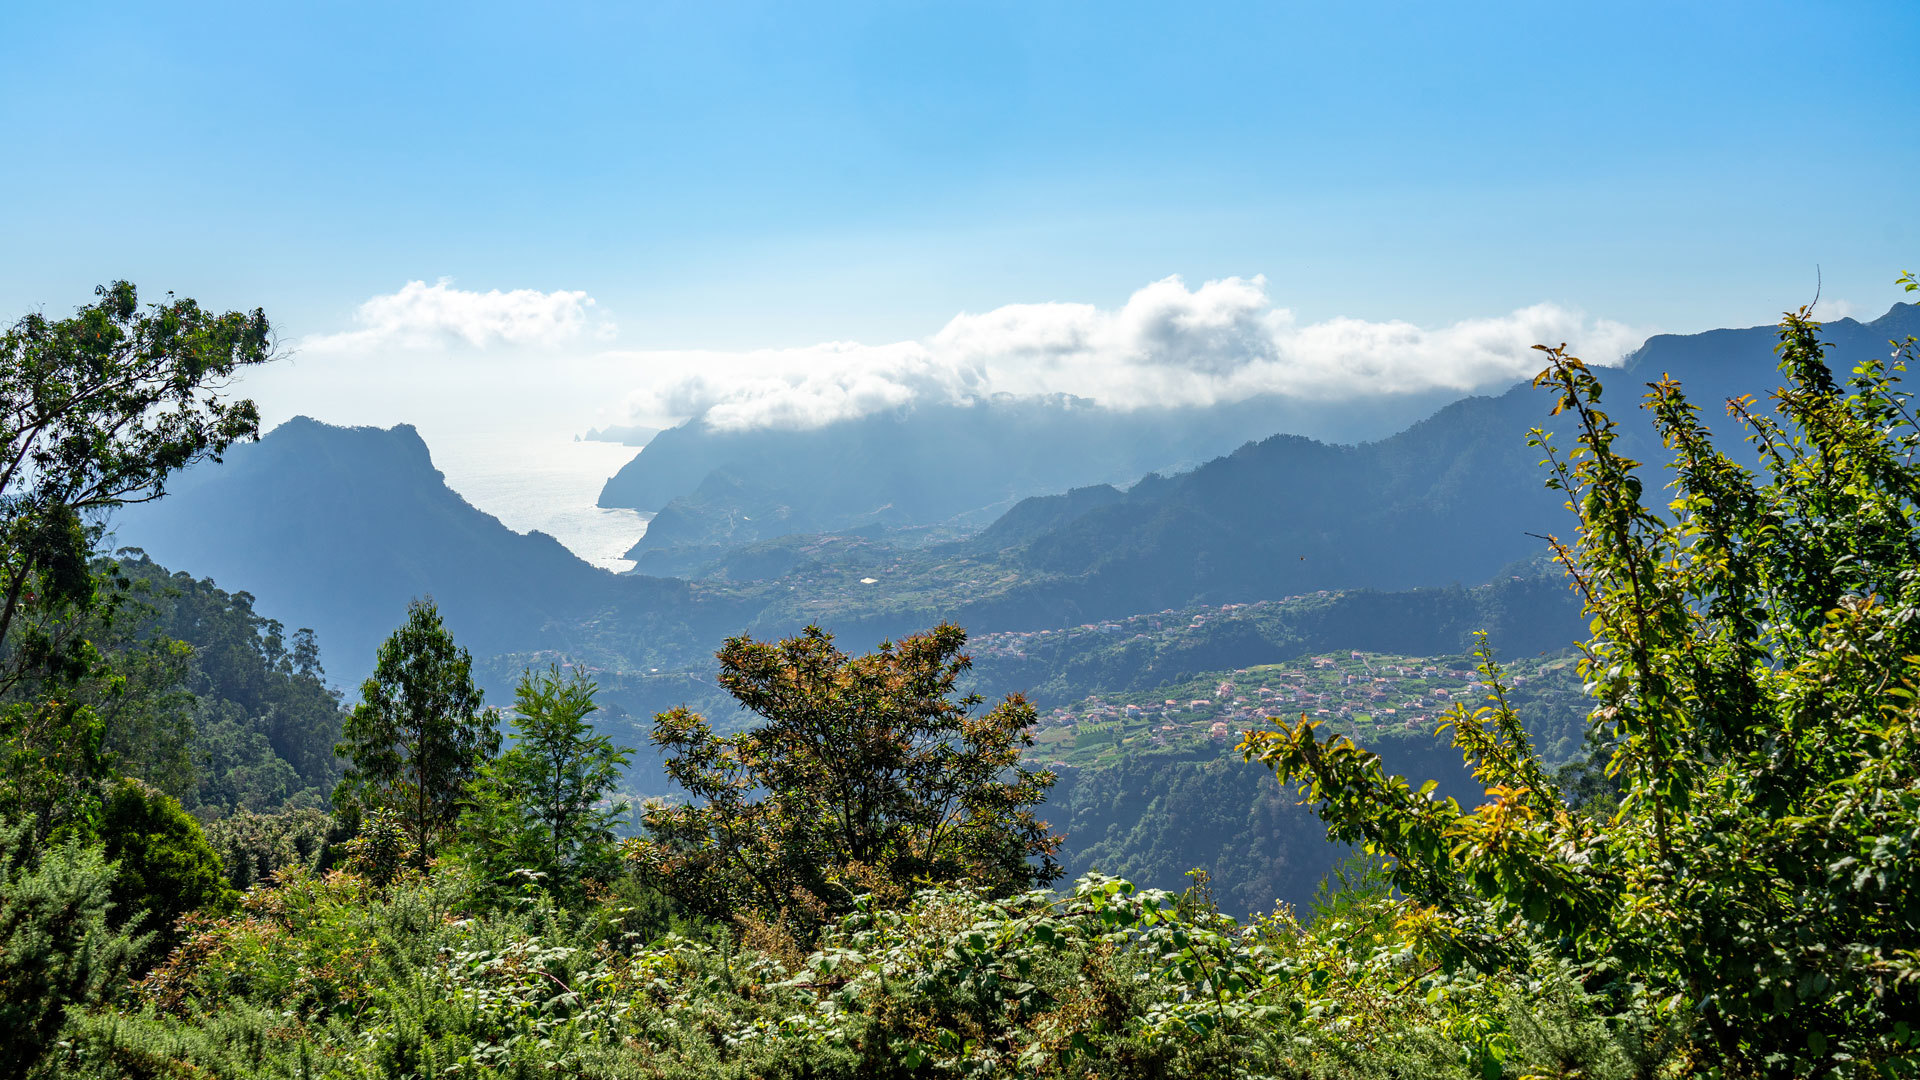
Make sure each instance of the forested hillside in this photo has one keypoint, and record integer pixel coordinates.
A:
(235, 713)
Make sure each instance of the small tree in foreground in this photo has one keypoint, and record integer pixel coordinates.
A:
(543, 805)
(867, 775)
(1753, 667)
(419, 735)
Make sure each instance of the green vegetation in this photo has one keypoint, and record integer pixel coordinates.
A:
(163, 866)
(418, 737)
(59, 945)
(542, 807)
(1375, 698)
(1714, 879)
(1753, 669)
(96, 411)
(1529, 610)
(869, 776)
(334, 976)
(252, 848)
(234, 717)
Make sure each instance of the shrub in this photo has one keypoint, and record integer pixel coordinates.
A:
(254, 847)
(1755, 665)
(164, 865)
(58, 946)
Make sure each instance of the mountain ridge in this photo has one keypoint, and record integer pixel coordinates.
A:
(337, 528)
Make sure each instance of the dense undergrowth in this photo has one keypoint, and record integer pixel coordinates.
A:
(330, 975)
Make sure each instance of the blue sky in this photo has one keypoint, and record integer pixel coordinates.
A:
(724, 178)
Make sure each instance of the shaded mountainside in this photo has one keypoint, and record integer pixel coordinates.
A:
(1041, 514)
(1452, 499)
(338, 528)
(934, 463)
(1154, 816)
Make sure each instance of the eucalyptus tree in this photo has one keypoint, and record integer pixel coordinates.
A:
(97, 410)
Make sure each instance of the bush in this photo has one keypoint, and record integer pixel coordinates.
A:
(254, 847)
(165, 867)
(58, 946)
(1755, 670)
(423, 978)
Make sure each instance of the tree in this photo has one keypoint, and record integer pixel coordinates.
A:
(255, 847)
(96, 411)
(419, 735)
(543, 805)
(1754, 668)
(261, 721)
(868, 775)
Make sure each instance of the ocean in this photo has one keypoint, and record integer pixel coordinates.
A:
(542, 480)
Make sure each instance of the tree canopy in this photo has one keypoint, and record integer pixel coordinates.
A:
(100, 409)
(544, 806)
(96, 410)
(868, 774)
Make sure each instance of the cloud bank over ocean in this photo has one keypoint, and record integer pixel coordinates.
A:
(1168, 344)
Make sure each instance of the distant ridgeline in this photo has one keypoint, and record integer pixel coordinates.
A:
(1452, 499)
(959, 465)
(338, 528)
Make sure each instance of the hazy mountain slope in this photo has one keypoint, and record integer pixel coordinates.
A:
(1040, 514)
(338, 528)
(928, 464)
(1451, 499)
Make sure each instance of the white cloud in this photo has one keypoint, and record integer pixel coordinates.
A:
(422, 316)
(804, 387)
(1834, 309)
(1167, 345)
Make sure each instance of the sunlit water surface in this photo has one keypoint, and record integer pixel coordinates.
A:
(544, 481)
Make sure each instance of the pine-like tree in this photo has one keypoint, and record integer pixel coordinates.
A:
(419, 735)
(544, 804)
